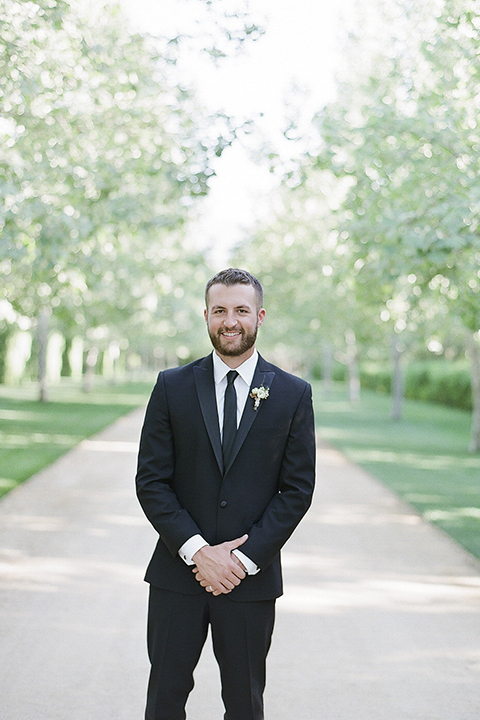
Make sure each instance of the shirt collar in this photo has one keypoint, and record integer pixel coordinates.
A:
(246, 370)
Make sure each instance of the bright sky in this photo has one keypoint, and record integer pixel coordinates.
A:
(299, 46)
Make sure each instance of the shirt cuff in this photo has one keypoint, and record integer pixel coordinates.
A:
(190, 547)
(248, 564)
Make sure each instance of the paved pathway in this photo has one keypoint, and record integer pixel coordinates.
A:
(380, 619)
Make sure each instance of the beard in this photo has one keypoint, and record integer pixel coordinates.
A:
(247, 341)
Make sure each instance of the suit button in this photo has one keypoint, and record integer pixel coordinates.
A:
(223, 504)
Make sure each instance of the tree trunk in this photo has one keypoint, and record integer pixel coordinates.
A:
(67, 349)
(398, 387)
(352, 366)
(327, 368)
(91, 361)
(474, 354)
(42, 336)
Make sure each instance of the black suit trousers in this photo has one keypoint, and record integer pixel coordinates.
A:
(177, 630)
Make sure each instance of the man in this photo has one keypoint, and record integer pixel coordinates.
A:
(225, 473)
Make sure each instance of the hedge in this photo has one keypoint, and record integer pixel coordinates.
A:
(438, 381)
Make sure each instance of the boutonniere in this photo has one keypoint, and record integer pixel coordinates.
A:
(259, 394)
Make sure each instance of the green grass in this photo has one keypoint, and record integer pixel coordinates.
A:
(424, 457)
(34, 434)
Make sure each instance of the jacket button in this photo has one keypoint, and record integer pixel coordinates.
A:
(223, 504)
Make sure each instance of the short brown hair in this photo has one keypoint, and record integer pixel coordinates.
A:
(235, 276)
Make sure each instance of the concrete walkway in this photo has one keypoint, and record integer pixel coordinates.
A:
(380, 619)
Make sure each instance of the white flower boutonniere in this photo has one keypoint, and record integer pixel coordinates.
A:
(259, 394)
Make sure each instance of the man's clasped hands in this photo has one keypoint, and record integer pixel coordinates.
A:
(217, 568)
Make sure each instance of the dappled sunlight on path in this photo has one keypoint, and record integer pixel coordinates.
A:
(424, 594)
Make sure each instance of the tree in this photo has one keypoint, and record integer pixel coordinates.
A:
(407, 137)
(103, 154)
(402, 142)
(300, 258)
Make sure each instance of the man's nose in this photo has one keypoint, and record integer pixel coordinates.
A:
(230, 320)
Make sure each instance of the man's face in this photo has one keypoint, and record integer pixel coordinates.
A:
(232, 318)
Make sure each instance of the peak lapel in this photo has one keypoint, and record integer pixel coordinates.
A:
(261, 377)
(204, 383)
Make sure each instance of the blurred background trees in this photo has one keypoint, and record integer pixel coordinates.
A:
(103, 155)
(369, 248)
(388, 262)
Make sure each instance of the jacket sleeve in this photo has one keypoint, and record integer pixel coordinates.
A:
(296, 485)
(155, 472)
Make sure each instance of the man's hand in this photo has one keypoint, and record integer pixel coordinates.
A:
(209, 588)
(217, 568)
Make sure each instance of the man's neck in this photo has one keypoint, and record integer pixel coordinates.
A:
(234, 361)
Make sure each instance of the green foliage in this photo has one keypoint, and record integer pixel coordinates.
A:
(423, 457)
(309, 293)
(376, 376)
(387, 204)
(339, 372)
(373, 242)
(405, 135)
(103, 155)
(437, 381)
(440, 382)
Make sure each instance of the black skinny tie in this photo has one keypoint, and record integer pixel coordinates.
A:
(229, 417)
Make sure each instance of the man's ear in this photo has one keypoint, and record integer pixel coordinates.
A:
(205, 315)
(261, 316)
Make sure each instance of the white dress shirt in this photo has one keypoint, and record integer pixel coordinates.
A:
(242, 386)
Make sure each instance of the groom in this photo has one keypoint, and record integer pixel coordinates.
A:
(225, 473)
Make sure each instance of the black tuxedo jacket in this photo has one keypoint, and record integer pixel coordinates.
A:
(184, 488)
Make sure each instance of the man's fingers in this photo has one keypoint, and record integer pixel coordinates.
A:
(198, 575)
(218, 587)
(221, 586)
(232, 544)
(240, 566)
